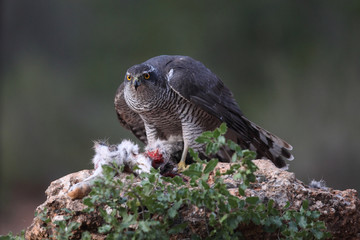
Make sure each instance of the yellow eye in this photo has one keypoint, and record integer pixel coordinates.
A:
(128, 77)
(146, 76)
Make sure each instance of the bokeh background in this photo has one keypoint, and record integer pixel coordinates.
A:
(293, 66)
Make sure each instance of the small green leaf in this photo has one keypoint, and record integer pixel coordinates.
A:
(223, 128)
(216, 133)
(252, 200)
(173, 210)
(249, 155)
(270, 204)
(241, 191)
(210, 166)
(202, 139)
(73, 225)
(231, 144)
(144, 226)
(293, 227)
(221, 140)
(317, 234)
(207, 134)
(276, 221)
(305, 204)
(151, 178)
(192, 173)
(234, 157)
(86, 236)
(194, 155)
(209, 148)
(178, 180)
(223, 218)
(66, 210)
(233, 201)
(237, 176)
(87, 201)
(178, 228)
(301, 220)
(7, 237)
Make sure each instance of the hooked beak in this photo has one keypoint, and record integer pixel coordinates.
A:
(136, 83)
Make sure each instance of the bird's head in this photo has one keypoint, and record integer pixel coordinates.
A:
(141, 77)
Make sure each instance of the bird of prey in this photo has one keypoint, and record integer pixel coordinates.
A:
(169, 96)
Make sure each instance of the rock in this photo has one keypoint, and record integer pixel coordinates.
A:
(57, 200)
(340, 210)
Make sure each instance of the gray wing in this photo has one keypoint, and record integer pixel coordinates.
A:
(128, 118)
(196, 83)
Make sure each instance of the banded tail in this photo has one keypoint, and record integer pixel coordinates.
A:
(265, 144)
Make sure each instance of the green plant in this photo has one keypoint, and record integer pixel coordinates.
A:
(64, 228)
(10, 236)
(142, 211)
(151, 208)
(303, 224)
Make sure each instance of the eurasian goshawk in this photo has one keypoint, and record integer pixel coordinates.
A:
(178, 96)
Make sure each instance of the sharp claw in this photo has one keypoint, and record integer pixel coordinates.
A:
(182, 166)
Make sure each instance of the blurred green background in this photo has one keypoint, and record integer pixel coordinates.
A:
(293, 66)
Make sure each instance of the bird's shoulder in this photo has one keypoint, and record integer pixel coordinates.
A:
(192, 80)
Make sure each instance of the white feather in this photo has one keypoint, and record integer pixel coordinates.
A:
(170, 74)
(152, 69)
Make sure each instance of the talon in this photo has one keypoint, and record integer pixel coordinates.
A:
(182, 166)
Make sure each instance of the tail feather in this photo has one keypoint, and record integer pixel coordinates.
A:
(264, 143)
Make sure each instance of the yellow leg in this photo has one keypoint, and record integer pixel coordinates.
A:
(182, 165)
